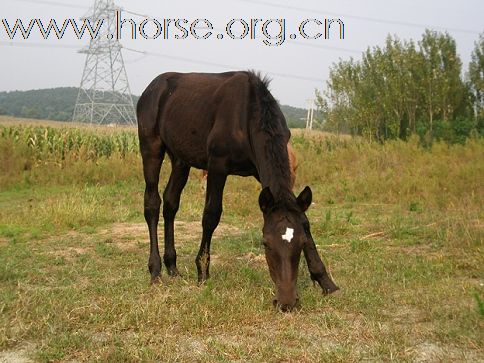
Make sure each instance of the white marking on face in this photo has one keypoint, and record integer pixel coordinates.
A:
(288, 235)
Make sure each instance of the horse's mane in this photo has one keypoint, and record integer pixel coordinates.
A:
(268, 107)
(272, 122)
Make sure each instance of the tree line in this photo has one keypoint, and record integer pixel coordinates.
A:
(48, 104)
(58, 104)
(405, 88)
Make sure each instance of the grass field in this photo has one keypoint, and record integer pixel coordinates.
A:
(400, 228)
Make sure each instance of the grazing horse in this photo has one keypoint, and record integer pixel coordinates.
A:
(228, 124)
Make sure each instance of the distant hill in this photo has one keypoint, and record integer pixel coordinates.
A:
(58, 104)
(295, 116)
(49, 104)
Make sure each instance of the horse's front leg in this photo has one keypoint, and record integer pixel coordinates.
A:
(171, 203)
(316, 267)
(211, 218)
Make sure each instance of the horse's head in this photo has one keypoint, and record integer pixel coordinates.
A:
(285, 232)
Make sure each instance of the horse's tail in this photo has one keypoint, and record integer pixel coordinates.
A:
(149, 110)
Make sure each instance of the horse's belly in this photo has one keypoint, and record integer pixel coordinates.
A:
(191, 150)
(246, 168)
(185, 137)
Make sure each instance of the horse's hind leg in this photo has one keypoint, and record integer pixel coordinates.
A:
(152, 160)
(171, 202)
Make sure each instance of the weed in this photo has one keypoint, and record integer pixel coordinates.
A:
(480, 304)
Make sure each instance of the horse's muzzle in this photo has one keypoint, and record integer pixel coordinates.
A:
(286, 307)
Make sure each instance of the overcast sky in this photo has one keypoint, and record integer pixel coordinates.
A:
(297, 68)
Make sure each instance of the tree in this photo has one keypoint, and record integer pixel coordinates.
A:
(443, 89)
(475, 78)
(399, 89)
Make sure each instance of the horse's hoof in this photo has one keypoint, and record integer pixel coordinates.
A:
(155, 280)
(202, 280)
(173, 272)
(326, 284)
(330, 290)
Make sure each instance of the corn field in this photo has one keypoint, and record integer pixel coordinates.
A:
(58, 143)
(44, 142)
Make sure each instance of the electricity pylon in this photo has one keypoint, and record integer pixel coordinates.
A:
(104, 94)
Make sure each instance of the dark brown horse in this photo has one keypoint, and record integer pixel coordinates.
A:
(228, 124)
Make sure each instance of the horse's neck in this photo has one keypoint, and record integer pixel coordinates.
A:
(274, 167)
(277, 186)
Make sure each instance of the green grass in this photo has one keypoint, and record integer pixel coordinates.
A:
(399, 227)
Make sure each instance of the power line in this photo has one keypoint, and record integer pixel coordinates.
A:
(289, 7)
(326, 47)
(46, 2)
(136, 14)
(136, 60)
(37, 45)
(71, 46)
(308, 44)
(225, 66)
(376, 20)
(292, 42)
(167, 56)
(182, 59)
(54, 3)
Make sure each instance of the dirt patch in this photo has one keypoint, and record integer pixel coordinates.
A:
(17, 355)
(190, 349)
(253, 258)
(434, 352)
(120, 230)
(69, 253)
(3, 241)
(134, 236)
(427, 251)
(428, 352)
(404, 314)
(127, 236)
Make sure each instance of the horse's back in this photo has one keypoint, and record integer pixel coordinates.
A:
(198, 113)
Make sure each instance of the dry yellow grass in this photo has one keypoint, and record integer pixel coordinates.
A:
(18, 121)
(399, 226)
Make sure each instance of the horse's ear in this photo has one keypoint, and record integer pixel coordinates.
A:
(266, 199)
(305, 198)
